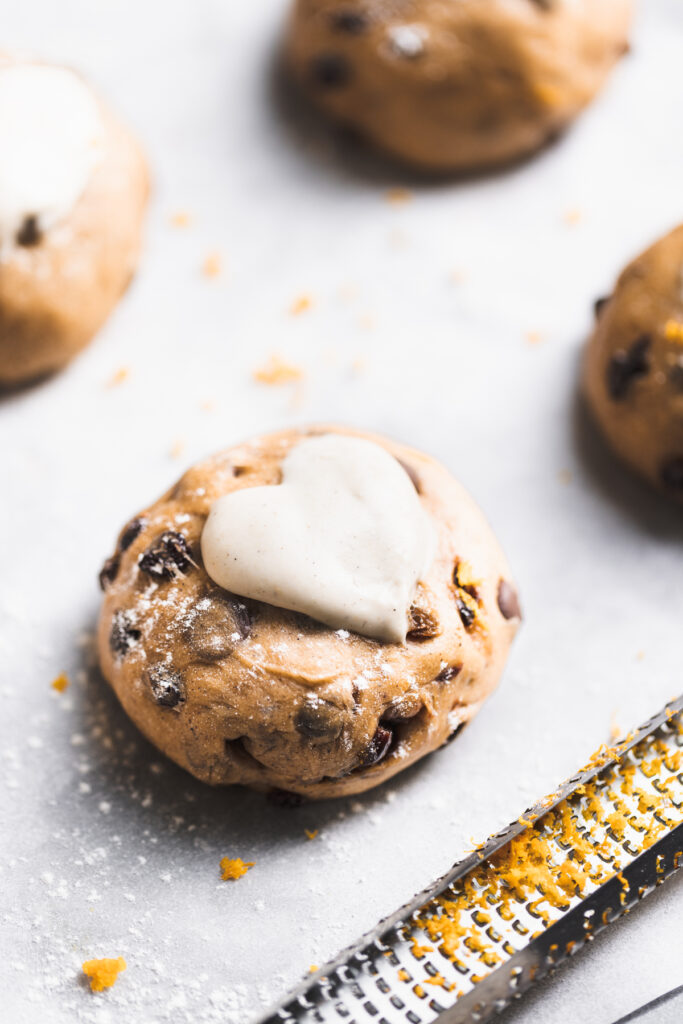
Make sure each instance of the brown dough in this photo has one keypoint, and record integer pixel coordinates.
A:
(58, 290)
(241, 692)
(455, 86)
(633, 371)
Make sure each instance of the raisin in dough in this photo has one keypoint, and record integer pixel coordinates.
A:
(71, 212)
(455, 86)
(633, 370)
(238, 691)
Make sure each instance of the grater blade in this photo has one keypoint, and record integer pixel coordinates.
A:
(517, 907)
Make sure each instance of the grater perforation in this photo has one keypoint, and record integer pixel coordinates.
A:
(513, 910)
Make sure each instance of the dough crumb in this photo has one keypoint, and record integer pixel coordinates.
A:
(60, 683)
(301, 305)
(573, 217)
(231, 870)
(212, 265)
(311, 833)
(276, 371)
(103, 973)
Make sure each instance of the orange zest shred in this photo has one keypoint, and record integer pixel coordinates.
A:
(301, 305)
(103, 973)
(212, 265)
(232, 869)
(311, 833)
(60, 683)
(277, 370)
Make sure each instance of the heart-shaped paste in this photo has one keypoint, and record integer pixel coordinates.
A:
(343, 538)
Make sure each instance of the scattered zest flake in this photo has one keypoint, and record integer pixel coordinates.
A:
(276, 371)
(60, 683)
(674, 331)
(231, 870)
(119, 377)
(301, 305)
(103, 973)
(313, 968)
(311, 833)
(398, 195)
(180, 219)
(212, 265)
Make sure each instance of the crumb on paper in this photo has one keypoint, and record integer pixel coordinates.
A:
(313, 968)
(60, 683)
(673, 331)
(177, 449)
(366, 322)
(207, 405)
(573, 217)
(301, 305)
(121, 375)
(640, 655)
(358, 365)
(397, 196)
(565, 476)
(457, 276)
(311, 833)
(534, 337)
(212, 265)
(232, 869)
(180, 219)
(103, 973)
(276, 371)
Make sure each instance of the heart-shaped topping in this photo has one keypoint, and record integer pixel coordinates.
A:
(343, 538)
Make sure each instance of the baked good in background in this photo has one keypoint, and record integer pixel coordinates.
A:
(450, 86)
(311, 611)
(633, 367)
(73, 188)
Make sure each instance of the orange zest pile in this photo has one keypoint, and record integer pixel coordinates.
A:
(231, 870)
(103, 973)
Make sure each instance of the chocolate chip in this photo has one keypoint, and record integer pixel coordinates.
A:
(377, 748)
(167, 686)
(412, 474)
(29, 233)
(422, 625)
(166, 557)
(352, 22)
(448, 673)
(123, 634)
(626, 366)
(130, 532)
(330, 70)
(215, 627)
(508, 601)
(319, 720)
(283, 798)
(671, 474)
(403, 709)
(599, 305)
(109, 571)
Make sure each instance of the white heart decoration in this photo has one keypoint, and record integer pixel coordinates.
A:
(343, 538)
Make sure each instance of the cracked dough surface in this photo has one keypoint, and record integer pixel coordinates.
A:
(452, 86)
(633, 369)
(55, 294)
(238, 691)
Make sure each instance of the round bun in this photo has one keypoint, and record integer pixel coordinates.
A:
(633, 370)
(57, 287)
(449, 86)
(238, 691)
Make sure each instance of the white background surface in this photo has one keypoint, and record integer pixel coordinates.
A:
(106, 848)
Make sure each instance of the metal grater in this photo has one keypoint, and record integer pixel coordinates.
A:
(517, 907)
